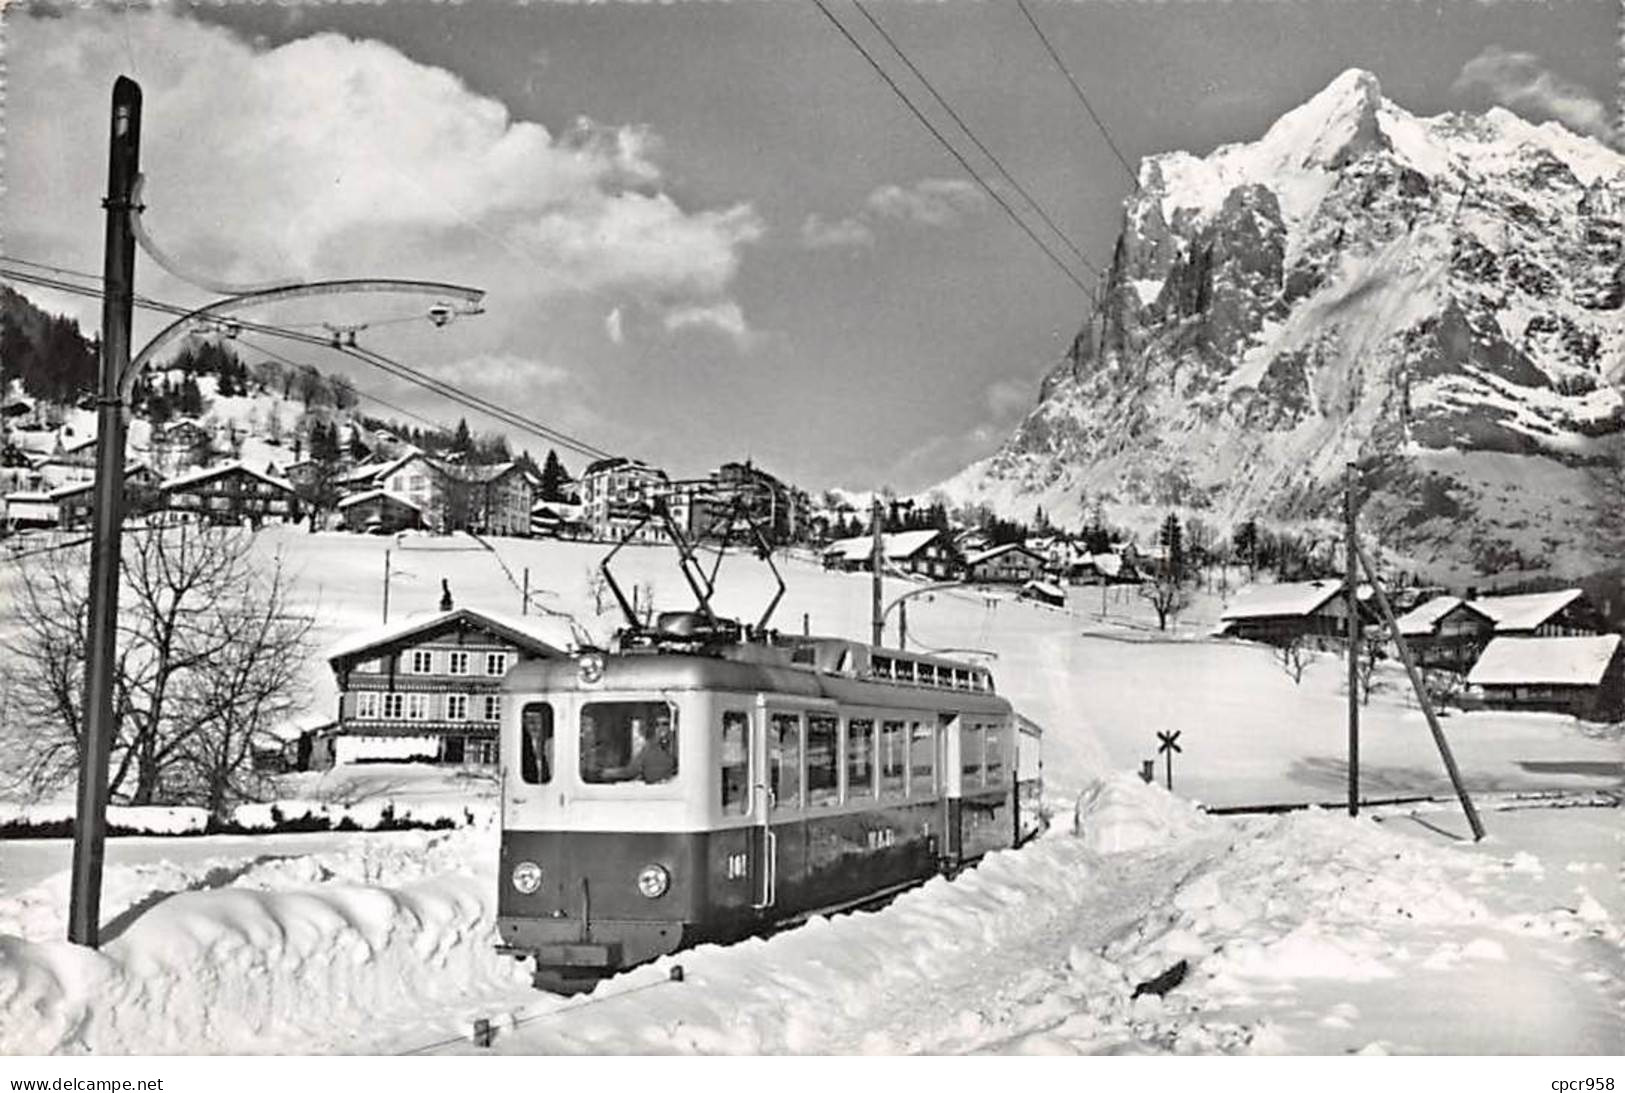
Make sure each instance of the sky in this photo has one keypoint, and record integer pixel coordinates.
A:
(706, 231)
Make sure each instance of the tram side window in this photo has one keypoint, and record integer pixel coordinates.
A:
(922, 760)
(628, 742)
(860, 759)
(536, 744)
(893, 758)
(970, 756)
(735, 763)
(784, 759)
(823, 759)
(995, 755)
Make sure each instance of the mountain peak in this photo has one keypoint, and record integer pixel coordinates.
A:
(1334, 126)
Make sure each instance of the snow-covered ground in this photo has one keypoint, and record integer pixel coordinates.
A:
(1305, 932)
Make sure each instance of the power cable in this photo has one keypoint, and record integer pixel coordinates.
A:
(963, 162)
(964, 128)
(366, 356)
(1084, 99)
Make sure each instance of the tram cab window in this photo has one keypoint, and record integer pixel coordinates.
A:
(970, 756)
(735, 762)
(784, 759)
(893, 758)
(823, 759)
(995, 755)
(922, 760)
(860, 759)
(628, 742)
(536, 744)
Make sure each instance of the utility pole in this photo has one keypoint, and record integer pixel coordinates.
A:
(902, 624)
(118, 298)
(386, 585)
(524, 602)
(877, 556)
(1351, 571)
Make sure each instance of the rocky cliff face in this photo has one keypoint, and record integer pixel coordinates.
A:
(1441, 300)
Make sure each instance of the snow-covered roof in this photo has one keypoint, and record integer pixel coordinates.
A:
(203, 474)
(544, 634)
(1577, 661)
(1420, 620)
(1047, 588)
(1271, 600)
(366, 472)
(1002, 548)
(357, 498)
(1524, 612)
(896, 544)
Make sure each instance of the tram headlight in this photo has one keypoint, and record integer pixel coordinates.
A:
(527, 877)
(591, 667)
(653, 881)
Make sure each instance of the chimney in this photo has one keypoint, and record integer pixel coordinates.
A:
(1472, 592)
(445, 594)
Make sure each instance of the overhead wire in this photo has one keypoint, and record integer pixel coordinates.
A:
(981, 147)
(955, 152)
(367, 356)
(1078, 91)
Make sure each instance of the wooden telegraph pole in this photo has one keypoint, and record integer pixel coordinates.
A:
(1351, 570)
(118, 299)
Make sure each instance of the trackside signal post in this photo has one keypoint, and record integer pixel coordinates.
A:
(118, 302)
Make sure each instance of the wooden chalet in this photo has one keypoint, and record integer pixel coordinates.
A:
(1450, 632)
(429, 687)
(1046, 592)
(929, 552)
(379, 512)
(1312, 611)
(1009, 563)
(75, 501)
(232, 493)
(1579, 675)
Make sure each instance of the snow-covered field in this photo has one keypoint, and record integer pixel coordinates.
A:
(1302, 933)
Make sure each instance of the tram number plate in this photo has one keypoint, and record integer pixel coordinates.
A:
(882, 837)
(737, 866)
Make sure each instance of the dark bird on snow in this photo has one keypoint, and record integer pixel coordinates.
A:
(1161, 984)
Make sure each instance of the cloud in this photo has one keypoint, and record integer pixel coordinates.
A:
(1518, 81)
(1007, 398)
(613, 327)
(502, 372)
(725, 317)
(330, 154)
(819, 234)
(932, 202)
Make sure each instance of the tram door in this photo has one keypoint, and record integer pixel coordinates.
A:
(764, 849)
(950, 786)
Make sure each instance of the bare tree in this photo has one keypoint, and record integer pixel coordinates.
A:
(1293, 656)
(1371, 654)
(208, 659)
(598, 589)
(1168, 595)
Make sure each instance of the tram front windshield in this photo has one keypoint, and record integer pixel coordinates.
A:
(628, 742)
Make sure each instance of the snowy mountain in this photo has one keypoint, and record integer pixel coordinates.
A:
(1439, 299)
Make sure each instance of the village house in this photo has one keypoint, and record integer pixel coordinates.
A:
(181, 445)
(231, 494)
(1450, 632)
(379, 512)
(616, 497)
(1579, 675)
(1009, 563)
(1280, 614)
(487, 498)
(781, 510)
(429, 687)
(1045, 592)
(75, 501)
(557, 520)
(928, 552)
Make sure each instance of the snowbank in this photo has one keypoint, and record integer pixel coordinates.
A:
(242, 971)
(1122, 812)
(56, 820)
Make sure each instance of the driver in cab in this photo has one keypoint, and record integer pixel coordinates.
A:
(655, 760)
